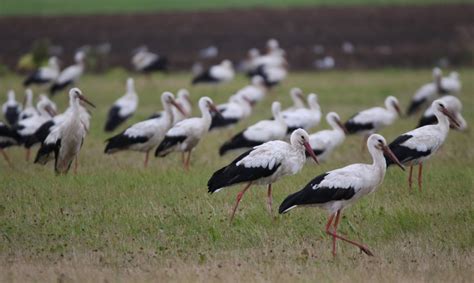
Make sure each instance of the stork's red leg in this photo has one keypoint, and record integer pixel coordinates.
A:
(335, 235)
(7, 159)
(410, 180)
(239, 197)
(420, 174)
(183, 157)
(188, 159)
(270, 199)
(336, 223)
(145, 164)
(76, 164)
(28, 153)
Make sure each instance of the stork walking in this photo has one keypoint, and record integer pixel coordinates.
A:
(454, 105)
(123, 108)
(11, 109)
(259, 133)
(145, 135)
(263, 165)
(324, 142)
(237, 109)
(185, 135)
(44, 75)
(336, 189)
(416, 146)
(69, 75)
(66, 139)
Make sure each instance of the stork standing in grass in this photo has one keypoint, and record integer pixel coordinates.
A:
(263, 165)
(11, 109)
(261, 132)
(29, 109)
(336, 189)
(184, 100)
(8, 137)
(304, 118)
(145, 135)
(371, 120)
(325, 142)
(453, 105)
(123, 108)
(417, 146)
(254, 92)
(221, 73)
(237, 109)
(44, 75)
(185, 135)
(69, 75)
(66, 139)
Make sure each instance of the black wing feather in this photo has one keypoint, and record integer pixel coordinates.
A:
(238, 141)
(122, 141)
(169, 142)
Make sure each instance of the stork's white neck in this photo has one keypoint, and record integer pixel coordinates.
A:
(443, 121)
(167, 113)
(205, 114)
(378, 159)
(277, 116)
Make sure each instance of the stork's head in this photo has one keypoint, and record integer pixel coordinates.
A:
(130, 85)
(184, 94)
(300, 139)
(439, 106)
(391, 103)
(53, 61)
(272, 44)
(11, 94)
(206, 104)
(378, 142)
(227, 63)
(257, 80)
(76, 94)
(79, 56)
(296, 94)
(253, 53)
(167, 98)
(437, 72)
(334, 120)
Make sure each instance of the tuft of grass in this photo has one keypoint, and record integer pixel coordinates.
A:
(115, 220)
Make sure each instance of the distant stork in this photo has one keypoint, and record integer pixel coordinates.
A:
(237, 109)
(147, 62)
(145, 135)
(69, 75)
(11, 109)
(324, 142)
(453, 104)
(304, 118)
(29, 109)
(44, 75)
(371, 120)
(8, 137)
(221, 73)
(123, 108)
(263, 165)
(184, 100)
(185, 135)
(296, 95)
(259, 133)
(438, 87)
(254, 92)
(336, 189)
(416, 146)
(66, 139)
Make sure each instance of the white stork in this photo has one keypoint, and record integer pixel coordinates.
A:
(145, 135)
(304, 118)
(263, 165)
(69, 75)
(221, 73)
(51, 105)
(184, 100)
(29, 109)
(45, 74)
(254, 92)
(373, 119)
(336, 189)
(185, 135)
(296, 95)
(416, 146)
(8, 137)
(261, 132)
(439, 86)
(453, 104)
(147, 62)
(11, 109)
(272, 75)
(123, 108)
(325, 142)
(232, 112)
(66, 139)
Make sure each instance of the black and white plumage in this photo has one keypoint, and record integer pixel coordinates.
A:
(184, 100)
(147, 62)
(221, 73)
(145, 135)
(29, 127)
(453, 104)
(297, 97)
(430, 91)
(29, 109)
(271, 75)
(336, 189)
(254, 92)
(185, 135)
(304, 118)
(232, 112)
(44, 75)
(416, 146)
(65, 140)
(373, 119)
(11, 109)
(324, 142)
(259, 133)
(70, 75)
(123, 108)
(8, 137)
(263, 165)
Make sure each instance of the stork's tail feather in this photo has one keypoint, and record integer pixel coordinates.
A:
(168, 144)
(290, 202)
(217, 181)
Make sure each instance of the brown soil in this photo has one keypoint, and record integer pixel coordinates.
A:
(383, 36)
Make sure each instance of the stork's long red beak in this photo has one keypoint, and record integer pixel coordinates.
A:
(310, 152)
(179, 107)
(451, 117)
(388, 152)
(342, 127)
(214, 109)
(83, 98)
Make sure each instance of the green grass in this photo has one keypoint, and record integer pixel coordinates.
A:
(60, 7)
(118, 221)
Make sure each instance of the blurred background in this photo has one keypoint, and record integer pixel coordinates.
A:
(318, 34)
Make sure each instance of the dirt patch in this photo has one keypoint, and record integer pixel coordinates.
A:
(382, 36)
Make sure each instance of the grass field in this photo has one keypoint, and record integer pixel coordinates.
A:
(61, 7)
(116, 221)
